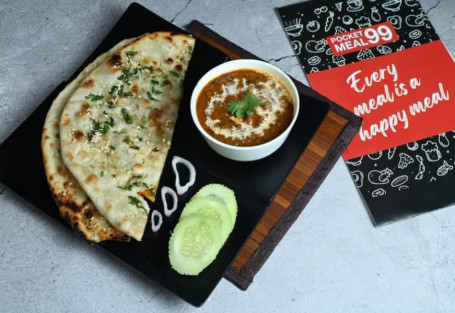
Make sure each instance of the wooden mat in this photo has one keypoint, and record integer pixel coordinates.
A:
(331, 139)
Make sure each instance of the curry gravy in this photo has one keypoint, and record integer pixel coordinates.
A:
(266, 122)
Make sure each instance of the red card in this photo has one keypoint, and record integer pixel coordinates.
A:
(402, 97)
(367, 37)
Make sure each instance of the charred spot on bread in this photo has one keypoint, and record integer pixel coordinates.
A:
(88, 84)
(115, 60)
(78, 135)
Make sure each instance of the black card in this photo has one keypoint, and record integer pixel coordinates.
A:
(384, 61)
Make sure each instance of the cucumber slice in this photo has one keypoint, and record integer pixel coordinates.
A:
(194, 244)
(211, 207)
(222, 192)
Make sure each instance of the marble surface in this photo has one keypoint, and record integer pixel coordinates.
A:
(332, 260)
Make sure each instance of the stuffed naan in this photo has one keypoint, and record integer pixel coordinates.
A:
(74, 204)
(117, 126)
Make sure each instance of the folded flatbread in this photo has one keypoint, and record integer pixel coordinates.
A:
(74, 204)
(117, 126)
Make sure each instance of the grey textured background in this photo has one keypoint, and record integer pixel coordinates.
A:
(332, 259)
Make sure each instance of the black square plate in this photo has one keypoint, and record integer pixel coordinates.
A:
(255, 183)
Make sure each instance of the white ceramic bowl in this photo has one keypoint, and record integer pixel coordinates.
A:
(249, 153)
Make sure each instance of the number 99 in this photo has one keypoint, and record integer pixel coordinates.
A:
(382, 33)
(385, 32)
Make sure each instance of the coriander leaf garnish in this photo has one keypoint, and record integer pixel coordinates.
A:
(190, 49)
(118, 91)
(112, 147)
(244, 107)
(128, 73)
(150, 68)
(100, 127)
(93, 97)
(111, 121)
(121, 93)
(135, 201)
(165, 82)
(130, 54)
(110, 104)
(113, 90)
(126, 116)
(129, 186)
(155, 91)
(154, 82)
(174, 73)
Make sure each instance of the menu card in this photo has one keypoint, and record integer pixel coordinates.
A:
(384, 61)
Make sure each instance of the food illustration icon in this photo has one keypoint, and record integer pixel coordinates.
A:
(339, 6)
(294, 28)
(316, 46)
(363, 22)
(347, 20)
(378, 193)
(418, 20)
(380, 177)
(391, 153)
(411, 3)
(313, 26)
(357, 176)
(314, 60)
(400, 180)
(384, 49)
(395, 20)
(339, 30)
(338, 60)
(415, 34)
(412, 146)
(443, 140)
(297, 46)
(365, 55)
(419, 175)
(320, 10)
(405, 160)
(431, 151)
(355, 5)
(375, 16)
(392, 5)
(375, 156)
(444, 168)
(329, 21)
(355, 162)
